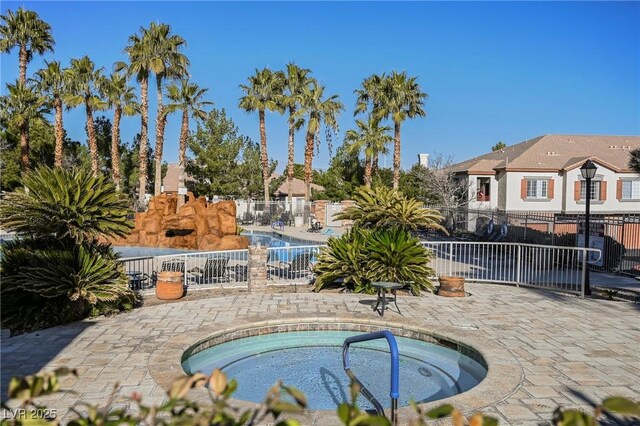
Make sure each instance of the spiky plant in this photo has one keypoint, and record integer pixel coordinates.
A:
(384, 207)
(66, 204)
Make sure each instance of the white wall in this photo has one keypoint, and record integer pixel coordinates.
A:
(515, 202)
(611, 204)
(473, 192)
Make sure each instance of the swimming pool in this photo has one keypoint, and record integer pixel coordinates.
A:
(312, 362)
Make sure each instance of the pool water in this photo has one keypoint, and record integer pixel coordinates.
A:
(274, 240)
(312, 362)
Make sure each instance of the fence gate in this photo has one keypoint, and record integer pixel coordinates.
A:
(332, 209)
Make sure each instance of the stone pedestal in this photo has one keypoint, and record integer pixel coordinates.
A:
(257, 269)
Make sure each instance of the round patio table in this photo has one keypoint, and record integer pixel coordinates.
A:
(383, 287)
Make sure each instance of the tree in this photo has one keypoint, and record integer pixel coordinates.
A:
(120, 97)
(186, 98)
(401, 98)
(370, 138)
(295, 80)
(634, 160)
(442, 186)
(497, 147)
(342, 178)
(318, 111)
(84, 87)
(165, 61)
(21, 106)
(25, 30)
(263, 93)
(52, 80)
(225, 162)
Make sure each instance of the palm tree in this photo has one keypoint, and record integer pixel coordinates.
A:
(317, 111)
(29, 33)
(186, 98)
(295, 80)
(52, 80)
(121, 98)
(370, 137)
(165, 62)
(140, 59)
(264, 92)
(401, 98)
(370, 94)
(21, 106)
(84, 84)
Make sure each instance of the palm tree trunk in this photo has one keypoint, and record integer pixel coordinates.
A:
(292, 131)
(374, 165)
(161, 121)
(115, 147)
(23, 57)
(182, 156)
(57, 103)
(396, 155)
(367, 170)
(24, 147)
(144, 92)
(263, 156)
(91, 133)
(308, 158)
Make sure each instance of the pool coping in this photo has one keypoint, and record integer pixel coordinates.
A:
(504, 372)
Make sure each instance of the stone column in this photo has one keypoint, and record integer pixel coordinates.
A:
(257, 269)
(345, 204)
(321, 211)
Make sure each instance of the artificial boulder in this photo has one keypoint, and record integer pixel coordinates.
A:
(196, 225)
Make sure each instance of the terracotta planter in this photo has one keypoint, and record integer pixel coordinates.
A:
(169, 285)
(451, 286)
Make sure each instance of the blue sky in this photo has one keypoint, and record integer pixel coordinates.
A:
(495, 71)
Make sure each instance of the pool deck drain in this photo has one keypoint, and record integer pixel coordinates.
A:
(563, 346)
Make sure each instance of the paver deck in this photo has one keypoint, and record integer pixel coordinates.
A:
(566, 346)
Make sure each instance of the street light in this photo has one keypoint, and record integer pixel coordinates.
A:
(588, 171)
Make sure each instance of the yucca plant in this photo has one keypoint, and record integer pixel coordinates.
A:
(66, 204)
(384, 207)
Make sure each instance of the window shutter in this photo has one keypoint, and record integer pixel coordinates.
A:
(550, 189)
(523, 189)
(603, 190)
(619, 189)
(576, 190)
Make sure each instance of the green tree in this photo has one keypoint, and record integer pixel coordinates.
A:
(52, 80)
(24, 29)
(186, 98)
(318, 111)
(370, 138)
(21, 106)
(342, 178)
(263, 93)
(634, 160)
(121, 98)
(497, 147)
(84, 88)
(295, 79)
(401, 98)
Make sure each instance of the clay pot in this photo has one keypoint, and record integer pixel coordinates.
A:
(169, 285)
(451, 286)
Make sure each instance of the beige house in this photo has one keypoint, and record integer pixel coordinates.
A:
(297, 190)
(543, 174)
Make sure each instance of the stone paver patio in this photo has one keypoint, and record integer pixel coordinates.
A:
(560, 347)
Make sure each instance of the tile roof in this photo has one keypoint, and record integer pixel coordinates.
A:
(555, 152)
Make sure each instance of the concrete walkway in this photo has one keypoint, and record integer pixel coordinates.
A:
(566, 349)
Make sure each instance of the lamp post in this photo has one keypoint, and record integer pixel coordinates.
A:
(588, 171)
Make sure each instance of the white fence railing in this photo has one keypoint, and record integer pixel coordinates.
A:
(291, 263)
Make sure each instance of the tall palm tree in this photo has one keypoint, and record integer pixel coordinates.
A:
(370, 138)
(370, 94)
(29, 33)
(264, 92)
(295, 80)
(52, 80)
(21, 106)
(186, 98)
(120, 97)
(401, 98)
(166, 61)
(318, 111)
(84, 88)
(140, 58)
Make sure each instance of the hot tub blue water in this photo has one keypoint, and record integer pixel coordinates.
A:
(312, 362)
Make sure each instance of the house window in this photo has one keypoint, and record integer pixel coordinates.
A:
(484, 189)
(631, 189)
(595, 190)
(537, 188)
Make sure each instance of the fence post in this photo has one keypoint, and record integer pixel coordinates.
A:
(186, 268)
(518, 264)
(624, 220)
(583, 279)
(450, 259)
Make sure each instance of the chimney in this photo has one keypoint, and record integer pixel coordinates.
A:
(423, 160)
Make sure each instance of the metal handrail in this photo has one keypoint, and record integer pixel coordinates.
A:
(394, 388)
